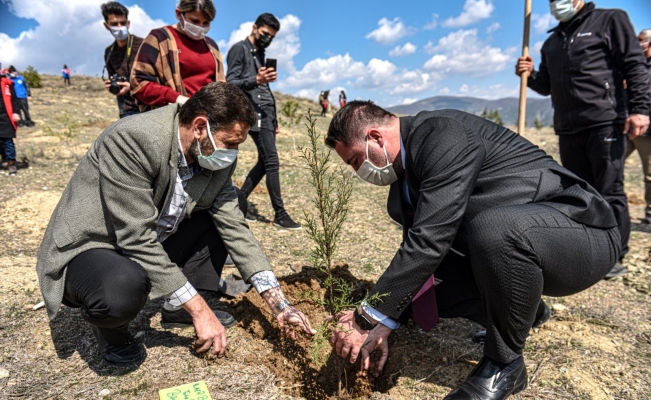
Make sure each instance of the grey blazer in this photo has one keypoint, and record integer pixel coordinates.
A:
(116, 196)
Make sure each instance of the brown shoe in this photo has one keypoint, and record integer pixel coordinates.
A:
(12, 168)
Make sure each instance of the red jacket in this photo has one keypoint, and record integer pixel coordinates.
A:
(5, 87)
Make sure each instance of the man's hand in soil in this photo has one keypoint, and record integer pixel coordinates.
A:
(210, 332)
(351, 340)
(289, 316)
(636, 125)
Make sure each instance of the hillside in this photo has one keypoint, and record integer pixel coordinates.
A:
(508, 107)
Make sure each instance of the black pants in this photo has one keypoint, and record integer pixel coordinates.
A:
(111, 289)
(516, 255)
(24, 107)
(597, 156)
(268, 164)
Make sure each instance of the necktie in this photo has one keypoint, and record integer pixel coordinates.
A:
(423, 306)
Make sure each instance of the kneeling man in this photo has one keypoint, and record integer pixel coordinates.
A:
(151, 212)
(488, 216)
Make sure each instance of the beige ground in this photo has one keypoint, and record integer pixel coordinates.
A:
(599, 347)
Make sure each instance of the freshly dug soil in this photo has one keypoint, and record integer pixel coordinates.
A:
(291, 361)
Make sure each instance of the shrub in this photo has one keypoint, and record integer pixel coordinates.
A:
(32, 77)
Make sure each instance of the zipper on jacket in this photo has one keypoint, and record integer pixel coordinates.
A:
(566, 55)
(609, 94)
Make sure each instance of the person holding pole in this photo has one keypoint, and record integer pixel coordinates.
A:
(584, 63)
(643, 143)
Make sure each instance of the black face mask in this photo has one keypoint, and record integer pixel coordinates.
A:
(263, 41)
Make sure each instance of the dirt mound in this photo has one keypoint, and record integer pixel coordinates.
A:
(291, 361)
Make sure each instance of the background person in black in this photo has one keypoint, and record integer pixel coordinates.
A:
(584, 64)
(492, 216)
(119, 56)
(246, 70)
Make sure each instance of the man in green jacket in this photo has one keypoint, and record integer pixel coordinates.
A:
(151, 211)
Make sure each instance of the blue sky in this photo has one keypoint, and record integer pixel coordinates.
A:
(380, 50)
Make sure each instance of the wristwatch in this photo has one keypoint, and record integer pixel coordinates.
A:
(362, 321)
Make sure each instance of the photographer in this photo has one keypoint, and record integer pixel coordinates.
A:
(119, 56)
(248, 70)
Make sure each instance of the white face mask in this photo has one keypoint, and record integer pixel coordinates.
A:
(119, 32)
(196, 32)
(378, 176)
(219, 159)
(563, 10)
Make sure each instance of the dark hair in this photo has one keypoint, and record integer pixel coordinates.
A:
(205, 6)
(115, 8)
(269, 20)
(347, 124)
(223, 103)
(11, 68)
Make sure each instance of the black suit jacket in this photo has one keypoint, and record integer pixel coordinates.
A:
(456, 166)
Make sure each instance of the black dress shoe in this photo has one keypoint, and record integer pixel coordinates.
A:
(181, 318)
(129, 354)
(287, 222)
(490, 381)
(542, 315)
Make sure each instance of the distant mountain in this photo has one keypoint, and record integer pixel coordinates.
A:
(507, 107)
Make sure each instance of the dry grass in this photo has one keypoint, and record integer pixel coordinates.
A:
(598, 348)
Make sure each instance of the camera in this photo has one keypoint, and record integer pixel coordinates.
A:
(115, 78)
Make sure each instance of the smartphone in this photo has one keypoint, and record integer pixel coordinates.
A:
(270, 63)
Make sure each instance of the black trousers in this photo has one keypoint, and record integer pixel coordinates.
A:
(111, 289)
(24, 107)
(597, 156)
(268, 164)
(516, 255)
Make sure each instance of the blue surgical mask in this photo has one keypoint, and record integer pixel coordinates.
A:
(119, 32)
(563, 10)
(219, 159)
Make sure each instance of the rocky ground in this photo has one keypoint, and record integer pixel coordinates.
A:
(596, 346)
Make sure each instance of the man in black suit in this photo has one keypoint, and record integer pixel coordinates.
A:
(496, 220)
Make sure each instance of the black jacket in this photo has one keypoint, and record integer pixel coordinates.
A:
(242, 71)
(458, 165)
(584, 64)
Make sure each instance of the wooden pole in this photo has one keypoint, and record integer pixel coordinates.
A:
(525, 76)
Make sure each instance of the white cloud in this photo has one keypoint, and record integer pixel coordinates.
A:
(473, 11)
(497, 91)
(543, 23)
(68, 32)
(408, 101)
(285, 46)
(462, 53)
(493, 27)
(444, 91)
(404, 50)
(380, 75)
(433, 23)
(389, 31)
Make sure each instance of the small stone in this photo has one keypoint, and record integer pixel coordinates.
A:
(44, 188)
(4, 373)
(104, 393)
(563, 369)
(139, 334)
(559, 308)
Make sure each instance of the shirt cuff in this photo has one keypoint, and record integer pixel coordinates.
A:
(381, 318)
(264, 280)
(182, 295)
